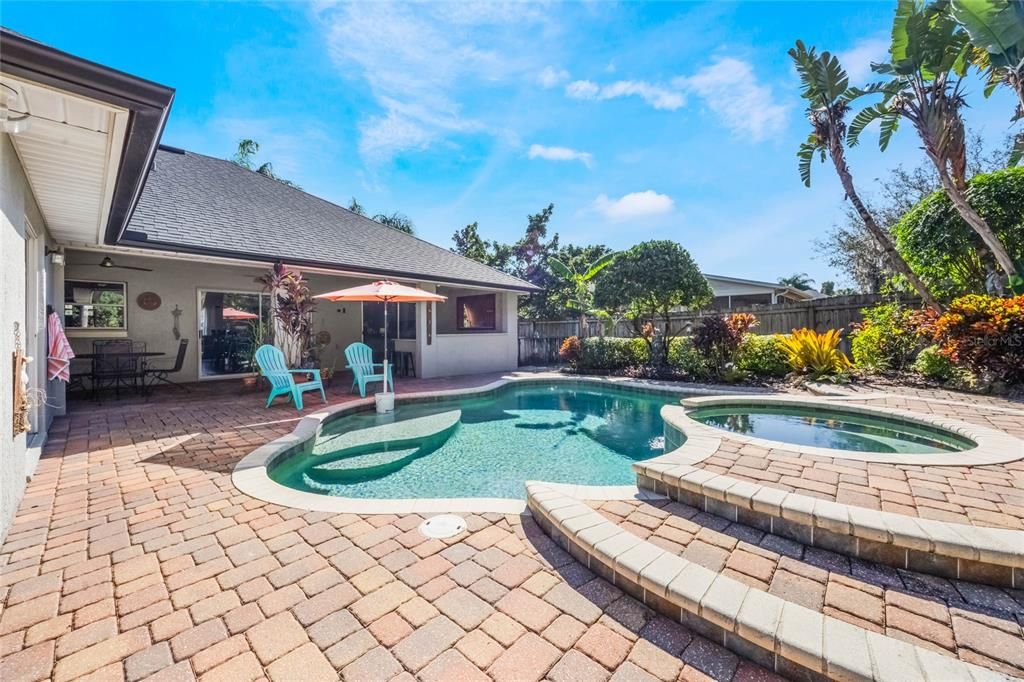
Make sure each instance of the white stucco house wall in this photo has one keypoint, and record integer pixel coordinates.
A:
(733, 292)
(125, 238)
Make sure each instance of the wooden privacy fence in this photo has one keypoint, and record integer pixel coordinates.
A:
(539, 341)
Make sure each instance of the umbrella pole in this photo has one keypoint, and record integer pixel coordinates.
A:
(385, 345)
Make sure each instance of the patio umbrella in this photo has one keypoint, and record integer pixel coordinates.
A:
(383, 291)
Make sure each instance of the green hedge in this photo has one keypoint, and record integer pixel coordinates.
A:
(759, 355)
(763, 356)
(607, 354)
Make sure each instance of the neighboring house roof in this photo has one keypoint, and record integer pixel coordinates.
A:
(148, 105)
(771, 286)
(199, 204)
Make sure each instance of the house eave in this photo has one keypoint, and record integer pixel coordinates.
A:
(148, 105)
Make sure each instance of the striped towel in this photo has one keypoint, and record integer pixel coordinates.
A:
(58, 361)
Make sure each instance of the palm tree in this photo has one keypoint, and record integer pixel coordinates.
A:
(582, 297)
(929, 57)
(798, 280)
(996, 29)
(826, 89)
(244, 156)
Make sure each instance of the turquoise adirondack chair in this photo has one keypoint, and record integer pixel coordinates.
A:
(282, 380)
(360, 361)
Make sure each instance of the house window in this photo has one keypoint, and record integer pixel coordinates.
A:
(94, 305)
(476, 312)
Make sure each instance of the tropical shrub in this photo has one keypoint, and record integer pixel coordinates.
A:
(684, 358)
(985, 334)
(570, 350)
(719, 338)
(762, 356)
(886, 339)
(814, 354)
(609, 354)
(931, 363)
(647, 283)
(292, 306)
(941, 247)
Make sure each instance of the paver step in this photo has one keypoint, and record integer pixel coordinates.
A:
(774, 631)
(945, 615)
(993, 556)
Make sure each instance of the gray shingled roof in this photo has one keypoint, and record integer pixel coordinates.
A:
(201, 204)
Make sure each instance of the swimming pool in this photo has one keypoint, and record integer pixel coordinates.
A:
(482, 446)
(831, 428)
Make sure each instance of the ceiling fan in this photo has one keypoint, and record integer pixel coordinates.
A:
(107, 262)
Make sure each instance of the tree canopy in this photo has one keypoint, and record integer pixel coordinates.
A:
(650, 280)
(942, 248)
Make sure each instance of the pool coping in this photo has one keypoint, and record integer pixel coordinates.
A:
(991, 446)
(250, 473)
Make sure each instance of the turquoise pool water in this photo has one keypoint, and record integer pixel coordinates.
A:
(483, 447)
(825, 429)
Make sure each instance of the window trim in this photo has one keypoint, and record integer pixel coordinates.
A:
(65, 303)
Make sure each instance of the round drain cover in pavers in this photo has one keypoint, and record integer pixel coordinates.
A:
(443, 526)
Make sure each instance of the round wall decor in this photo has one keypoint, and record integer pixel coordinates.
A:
(323, 337)
(148, 300)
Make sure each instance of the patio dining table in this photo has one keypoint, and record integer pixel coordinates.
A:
(120, 355)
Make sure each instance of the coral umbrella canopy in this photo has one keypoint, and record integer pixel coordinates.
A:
(384, 291)
(236, 314)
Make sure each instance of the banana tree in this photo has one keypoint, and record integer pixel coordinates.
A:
(826, 87)
(996, 29)
(929, 58)
(581, 299)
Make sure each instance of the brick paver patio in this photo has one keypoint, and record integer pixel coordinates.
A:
(978, 623)
(132, 556)
(980, 495)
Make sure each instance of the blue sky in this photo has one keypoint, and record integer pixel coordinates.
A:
(638, 121)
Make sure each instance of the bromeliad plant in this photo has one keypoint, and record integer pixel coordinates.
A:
(815, 355)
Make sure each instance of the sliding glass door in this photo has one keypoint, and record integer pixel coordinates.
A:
(401, 325)
(232, 324)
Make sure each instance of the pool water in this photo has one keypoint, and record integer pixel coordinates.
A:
(483, 447)
(831, 429)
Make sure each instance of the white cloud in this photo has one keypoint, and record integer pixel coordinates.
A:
(655, 95)
(634, 205)
(730, 90)
(539, 151)
(583, 90)
(550, 76)
(419, 59)
(857, 60)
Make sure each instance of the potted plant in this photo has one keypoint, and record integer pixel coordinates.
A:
(259, 332)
